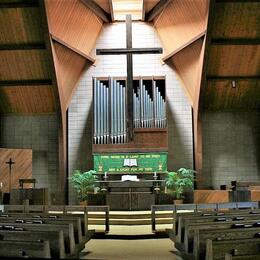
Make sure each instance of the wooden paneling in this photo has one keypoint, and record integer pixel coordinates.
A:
(211, 196)
(220, 95)
(149, 4)
(20, 25)
(70, 66)
(22, 169)
(24, 64)
(236, 20)
(255, 195)
(73, 23)
(234, 60)
(146, 140)
(27, 99)
(180, 22)
(186, 64)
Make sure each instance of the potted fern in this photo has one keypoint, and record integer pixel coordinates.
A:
(178, 182)
(84, 183)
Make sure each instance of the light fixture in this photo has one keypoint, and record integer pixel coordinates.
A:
(233, 83)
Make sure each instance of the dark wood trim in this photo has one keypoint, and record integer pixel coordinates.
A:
(111, 10)
(100, 12)
(157, 9)
(119, 51)
(59, 110)
(58, 40)
(19, 4)
(203, 83)
(235, 41)
(20, 83)
(143, 11)
(22, 46)
(130, 78)
(221, 78)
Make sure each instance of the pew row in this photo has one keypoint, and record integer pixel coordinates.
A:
(21, 249)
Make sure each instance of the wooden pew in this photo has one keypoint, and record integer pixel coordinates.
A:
(239, 247)
(182, 217)
(55, 238)
(201, 236)
(180, 238)
(75, 221)
(189, 230)
(244, 257)
(68, 232)
(21, 249)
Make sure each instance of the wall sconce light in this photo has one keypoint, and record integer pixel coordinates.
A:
(233, 83)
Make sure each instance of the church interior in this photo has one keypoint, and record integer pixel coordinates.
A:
(129, 129)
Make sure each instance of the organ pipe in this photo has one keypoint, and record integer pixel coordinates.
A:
(109, 108)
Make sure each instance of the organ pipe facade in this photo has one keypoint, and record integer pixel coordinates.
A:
(110, 108)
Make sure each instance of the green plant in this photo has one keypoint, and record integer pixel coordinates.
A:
(83, 182)
(177, 182)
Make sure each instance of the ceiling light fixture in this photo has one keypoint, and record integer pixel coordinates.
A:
(233, 83)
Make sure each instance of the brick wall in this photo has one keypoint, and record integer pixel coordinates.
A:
(39, 133)
(231, 150)
(80, 113)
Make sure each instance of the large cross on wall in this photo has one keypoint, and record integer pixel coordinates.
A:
(129, 51)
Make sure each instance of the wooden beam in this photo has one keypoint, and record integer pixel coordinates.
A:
(111, 10)
(100, 12)
(19, 4)
(221, 78)
(22, 46)
(119, 51)
(197, 37)
(33, 82)
(235, 41)
(72, 48)
(157, 9)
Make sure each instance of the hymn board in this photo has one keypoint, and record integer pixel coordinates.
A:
(129, 114)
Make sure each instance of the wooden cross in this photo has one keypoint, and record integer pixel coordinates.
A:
(10, 163)
(129, 51)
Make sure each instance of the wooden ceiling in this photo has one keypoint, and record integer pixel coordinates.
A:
(25, 69)
(233, 55)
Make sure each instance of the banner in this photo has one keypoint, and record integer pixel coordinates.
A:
(131, 162)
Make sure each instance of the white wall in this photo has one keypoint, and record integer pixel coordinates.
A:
(179, 110)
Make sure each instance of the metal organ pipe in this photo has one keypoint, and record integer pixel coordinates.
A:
(109, 107)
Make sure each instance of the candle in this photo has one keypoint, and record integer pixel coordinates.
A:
(154, 175)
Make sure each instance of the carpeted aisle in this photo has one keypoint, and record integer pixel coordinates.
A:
(149, 249)
(133, 249)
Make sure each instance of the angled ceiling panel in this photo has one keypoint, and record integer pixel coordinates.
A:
(20, 25)
(27, 99)
(70, 67)
(234, 60)
(220, 95)
(180, 22)
(24, 65)
(187, 64)
(75, 24)
(236, 20)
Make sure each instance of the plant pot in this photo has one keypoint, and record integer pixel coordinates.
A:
(83, 203)
(175, 202)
